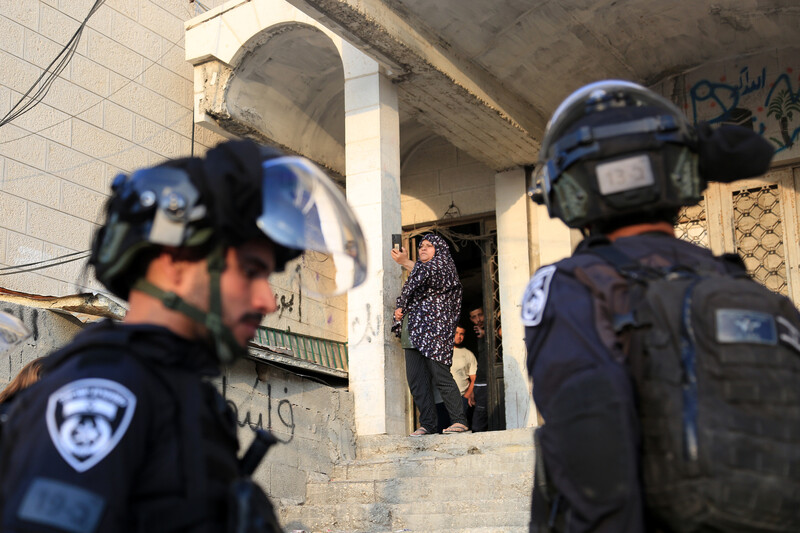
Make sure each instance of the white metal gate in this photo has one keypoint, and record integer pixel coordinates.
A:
(758, 219)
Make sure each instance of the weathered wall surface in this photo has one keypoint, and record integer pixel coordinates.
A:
(313, 421)
(123, 101)
(437, 174)
(304, 313)
(49, 330)
(760, 92)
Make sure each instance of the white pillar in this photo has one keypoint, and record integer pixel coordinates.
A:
(514, 272)
(372, 159)
(555, 240)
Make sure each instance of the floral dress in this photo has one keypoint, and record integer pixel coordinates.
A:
(431, 298)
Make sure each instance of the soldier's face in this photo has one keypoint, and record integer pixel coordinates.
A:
(244, 286)
(246, 291)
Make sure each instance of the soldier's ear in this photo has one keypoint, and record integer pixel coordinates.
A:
(169, 269)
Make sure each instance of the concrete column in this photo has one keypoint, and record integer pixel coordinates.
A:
(372, 159)
(514, 272)
(555, 240)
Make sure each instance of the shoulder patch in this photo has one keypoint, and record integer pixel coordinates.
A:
(87, 418)
(535, 299)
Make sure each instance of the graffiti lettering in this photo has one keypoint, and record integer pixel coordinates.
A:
(31, 321)
(370, 329)
(286, 302)
(746, 86)
(285, 305)
(246, 417)
(770, 109)
(721, 102)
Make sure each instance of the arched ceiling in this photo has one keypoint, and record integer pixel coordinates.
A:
(487, 75)
(289, 85)
(484, 75)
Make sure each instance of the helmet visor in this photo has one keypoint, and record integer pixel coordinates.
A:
(304, 210)
(12, 331)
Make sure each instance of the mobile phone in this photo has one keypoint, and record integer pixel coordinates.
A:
(397, 241)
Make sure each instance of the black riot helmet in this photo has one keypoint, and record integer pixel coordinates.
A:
(239, 192)
(616, 153)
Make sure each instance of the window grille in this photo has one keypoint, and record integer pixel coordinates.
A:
(759, 235)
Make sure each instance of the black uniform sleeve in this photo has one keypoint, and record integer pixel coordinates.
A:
(72, 447)
(588, 441)
(564, 339)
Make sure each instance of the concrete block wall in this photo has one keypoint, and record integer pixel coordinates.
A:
(300, 312)
(49, 330)
(313, 421)
(757, 91)
(437, 174)
(123, 101)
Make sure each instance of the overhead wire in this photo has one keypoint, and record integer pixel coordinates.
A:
(48, 76)
(46, 260)
(42, 267)
(102, 99)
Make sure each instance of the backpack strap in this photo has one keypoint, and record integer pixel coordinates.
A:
(633, 271)
(613, 256)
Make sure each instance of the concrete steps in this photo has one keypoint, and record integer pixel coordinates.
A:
(470, 483)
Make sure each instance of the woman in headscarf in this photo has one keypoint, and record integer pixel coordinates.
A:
(431, 301)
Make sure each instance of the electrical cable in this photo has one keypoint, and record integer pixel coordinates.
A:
(44, 261)
(62, 59)
(42, 267)
(76, 115)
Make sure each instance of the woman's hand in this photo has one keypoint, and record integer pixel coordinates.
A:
(398, 314)
(401, 258)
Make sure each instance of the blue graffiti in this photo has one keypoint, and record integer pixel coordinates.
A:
(726, 97)
(783, 81)
(746, 86)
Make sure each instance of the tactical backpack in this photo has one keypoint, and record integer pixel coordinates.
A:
(715, 362)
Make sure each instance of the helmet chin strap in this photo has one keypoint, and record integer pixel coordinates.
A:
(225, 346)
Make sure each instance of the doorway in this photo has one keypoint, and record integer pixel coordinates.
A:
(473, 245)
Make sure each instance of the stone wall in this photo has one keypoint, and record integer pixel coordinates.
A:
(437, 174)
(313, 421)
(760, 92)
(123, 101)
(49, 330)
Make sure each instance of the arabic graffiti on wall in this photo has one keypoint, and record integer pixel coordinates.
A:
(282, 421)
(760, 93)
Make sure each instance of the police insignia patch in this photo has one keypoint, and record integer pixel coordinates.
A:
(87, 418)
(535, 298)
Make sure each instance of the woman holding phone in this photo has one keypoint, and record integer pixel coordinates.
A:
(430, 303)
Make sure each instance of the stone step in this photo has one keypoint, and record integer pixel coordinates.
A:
(510, 460)
(453, 515)
(487, 515)
(478, 487)
(488, 442)
(505, 529)
(352, 518)
(470, 482)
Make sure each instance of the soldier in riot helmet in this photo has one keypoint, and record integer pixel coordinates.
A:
(124, 432)
(618, 162)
